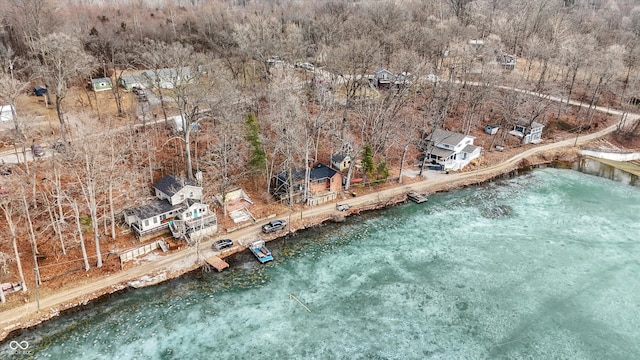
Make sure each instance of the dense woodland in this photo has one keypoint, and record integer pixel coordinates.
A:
(257, 114)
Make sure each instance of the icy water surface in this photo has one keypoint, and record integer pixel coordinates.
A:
(544, 266)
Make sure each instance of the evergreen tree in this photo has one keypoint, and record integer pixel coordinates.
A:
(383, 171)
(367, 160)
(258, 157)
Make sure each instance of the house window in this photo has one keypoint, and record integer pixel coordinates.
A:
(520, 128)
(155, 220)
(191, 194)
(146, 223)
(181, 196)
(453, 157)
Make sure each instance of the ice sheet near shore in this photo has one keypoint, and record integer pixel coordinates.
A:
(540, 266)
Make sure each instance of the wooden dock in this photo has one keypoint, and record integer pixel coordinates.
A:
(217, 263)
(416, 198)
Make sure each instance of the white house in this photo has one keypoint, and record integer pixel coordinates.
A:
(176, 189)
(129, 82)
(6, 112)
(176, 198)
(195, 220)
(340, 161)
(151, 218)
(168, 78)
(528, 131)
(451, 150)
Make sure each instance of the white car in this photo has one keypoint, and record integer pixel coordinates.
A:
(306, 66)
(432, 78)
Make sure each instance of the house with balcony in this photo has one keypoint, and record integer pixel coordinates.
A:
(451, 150)
(151, 219)
(194, 221)
(178, 199)
(385, 79)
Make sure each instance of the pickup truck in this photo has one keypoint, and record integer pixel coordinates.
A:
(273, 225)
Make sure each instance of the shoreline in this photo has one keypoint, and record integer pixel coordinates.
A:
(173, 266)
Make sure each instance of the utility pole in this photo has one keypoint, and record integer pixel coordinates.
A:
(37, 274)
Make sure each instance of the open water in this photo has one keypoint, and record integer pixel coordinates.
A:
(542, 266)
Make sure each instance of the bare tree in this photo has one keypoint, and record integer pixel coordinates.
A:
(74, 205)
(63, 60)
(31, 20)
(90, 178)
(10, 214)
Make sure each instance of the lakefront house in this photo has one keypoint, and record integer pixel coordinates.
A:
(451, 150)
(178, 200)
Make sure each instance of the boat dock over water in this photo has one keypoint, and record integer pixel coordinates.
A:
(217, 263)
(416, 198)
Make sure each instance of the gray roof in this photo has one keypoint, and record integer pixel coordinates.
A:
(527, 123)
(182, 73)
(443, 153)
(101, 80)
(469, 149)
(536, 125)
(155, 208)
(338, 157)
(447, 137)
(131, 79)
(171, 184)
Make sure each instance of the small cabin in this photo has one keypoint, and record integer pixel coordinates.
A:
(129, 82)
(491, 129)
(340, 161)
(528, 131)
(100, 84)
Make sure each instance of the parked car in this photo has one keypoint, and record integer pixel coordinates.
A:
(343, 207)
(37, 150)
(273, 225)
(222, 244)
(432, 78)
(142, 94)
(138, 90)
(40, 91)
(306, 66)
